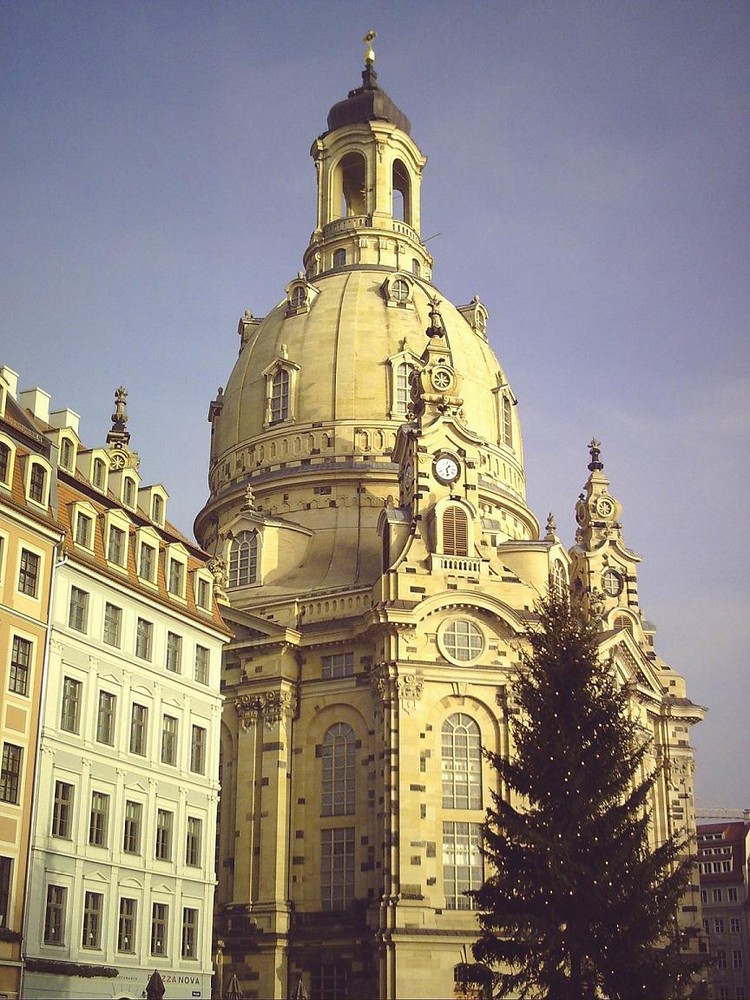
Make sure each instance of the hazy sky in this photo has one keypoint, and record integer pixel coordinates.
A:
(587, 177)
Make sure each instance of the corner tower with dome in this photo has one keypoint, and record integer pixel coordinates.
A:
(368, 519)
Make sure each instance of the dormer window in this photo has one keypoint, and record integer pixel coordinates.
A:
(243, 559)
(67, 454)
(203, 593)
(84, 530)
(38, 483)
(398, 291)
(116, 545)
(99, 474)
(128, 492)
(279, 401)
(6, 464)
(298, 298)
(147, 562)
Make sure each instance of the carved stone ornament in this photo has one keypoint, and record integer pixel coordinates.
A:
(409, 688)
(268, 706)
(218, 568)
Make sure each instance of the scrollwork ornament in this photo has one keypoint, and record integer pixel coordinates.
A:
(409, 688)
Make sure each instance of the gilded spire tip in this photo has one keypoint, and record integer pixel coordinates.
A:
(369, 52)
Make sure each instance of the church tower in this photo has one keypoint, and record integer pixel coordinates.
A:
(368, 516)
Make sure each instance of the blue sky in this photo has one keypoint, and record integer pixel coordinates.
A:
(587, 177)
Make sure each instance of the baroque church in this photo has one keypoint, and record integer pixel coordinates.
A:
(368, 516)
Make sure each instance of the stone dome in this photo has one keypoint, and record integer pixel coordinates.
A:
(309, 415)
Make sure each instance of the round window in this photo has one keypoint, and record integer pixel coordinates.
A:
(611, 582)
(461, 640)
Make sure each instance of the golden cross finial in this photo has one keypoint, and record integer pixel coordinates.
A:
(368, 40)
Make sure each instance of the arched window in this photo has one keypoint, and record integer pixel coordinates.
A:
(338, 753)
(243, 559)
(128, 492)
(37, 482)
(624, 621)
(507, 423)
(462, 763)
(4, 462)
(339, 257)
(416, 270)
(157, 509)
(455, 532)
(279, 399)
(299, 297)
(352, 180)
(559, 578)
(401, 192)
(403, 387)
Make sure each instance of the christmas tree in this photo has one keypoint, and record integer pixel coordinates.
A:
(580, 903)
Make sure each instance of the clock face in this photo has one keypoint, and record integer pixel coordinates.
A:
(446, 468)
(408, 478)
(611, 582)
(604, 506)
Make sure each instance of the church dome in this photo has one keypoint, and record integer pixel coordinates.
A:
(309, 415)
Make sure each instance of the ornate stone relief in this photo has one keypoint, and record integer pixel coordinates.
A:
(267, 706)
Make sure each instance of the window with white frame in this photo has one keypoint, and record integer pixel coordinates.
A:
(84, 530)
(28, 573)
(99, 819)
(131, 834)
(147, 562)
(10, 773)
(54, 914)
(70, 706)
(164, 827)
(278, 398)
(144, 637)
(138, 729)
(461, 763)
(105, 718)
(6, 881)
(126, 924)
(174, 653)
(116, 545)
(189, 932)
(461, 640)
(169, 725)
(20, 665)
(78, 610)
(112, 633)
(159, 928)
(128, 492)
(202, 661)
(38, 483)
(99, 474)
(338, 753)
(93, 904)
(462, 864)
(176, 577)
(337, 868)
(157, 508)
(62, 810)
(6, 463)
(194, 833)
(243, 559)
(66, 453)
(198, 750)
(203, 593)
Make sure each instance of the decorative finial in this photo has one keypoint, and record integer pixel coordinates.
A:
(119, 435)
(369, 53)
(436, 327)
(249, 503)
(551, 527)
(594, 447)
